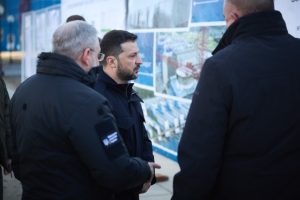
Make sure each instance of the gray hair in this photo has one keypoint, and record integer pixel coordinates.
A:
(252, 6)
(71, 38)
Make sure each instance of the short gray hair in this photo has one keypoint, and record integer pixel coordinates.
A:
(252, 6)
(71, 38)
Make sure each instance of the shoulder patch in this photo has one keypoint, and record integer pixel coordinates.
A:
(113, 145)
(110, 139)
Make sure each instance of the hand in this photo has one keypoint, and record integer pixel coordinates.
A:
(153, 166)
(145, 187)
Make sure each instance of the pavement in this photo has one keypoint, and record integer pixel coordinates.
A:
(13, 189)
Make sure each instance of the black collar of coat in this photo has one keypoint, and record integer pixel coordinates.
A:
(60, 65)
(125, 89)
(261, 23)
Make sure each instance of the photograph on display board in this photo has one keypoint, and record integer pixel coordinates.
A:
(145, 45)
(165, 119)
(37, 30)
(207, 11)
(40, 31)
(104, 15)
(158, 14)
(180, 57)
(46, 22)
(28, 61)
(54, 20)
(291, 14)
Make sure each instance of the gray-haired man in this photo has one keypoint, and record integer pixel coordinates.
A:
(66, 142)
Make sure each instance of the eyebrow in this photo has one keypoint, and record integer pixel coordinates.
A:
(133, 52)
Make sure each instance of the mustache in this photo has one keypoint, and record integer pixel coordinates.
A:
(137, 66)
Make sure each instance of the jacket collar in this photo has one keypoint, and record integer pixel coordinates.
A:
(125, 89)
(261, 23)
(60, 65)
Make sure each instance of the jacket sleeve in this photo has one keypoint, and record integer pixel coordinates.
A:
(147, 150)
(147, 146)
(147, 153)
(201, 146)
(6, 126)
(95, 137)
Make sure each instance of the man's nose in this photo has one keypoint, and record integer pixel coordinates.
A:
(138, 60)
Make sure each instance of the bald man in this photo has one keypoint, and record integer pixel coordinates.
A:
(242, 136)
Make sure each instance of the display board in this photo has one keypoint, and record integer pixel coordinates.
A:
(158, 14)
(37, 30)
(146, 50)
(207, 11)
(290, 10)
(175, 37)
(104, 15)
(27, 68)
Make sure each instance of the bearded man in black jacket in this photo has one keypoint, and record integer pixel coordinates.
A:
(121, 65)
(66, 142)
(242, 135)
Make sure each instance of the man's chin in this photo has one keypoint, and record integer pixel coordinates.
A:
(135, 75)
(132, 78)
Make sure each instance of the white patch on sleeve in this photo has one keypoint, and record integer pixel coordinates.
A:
(110, 139)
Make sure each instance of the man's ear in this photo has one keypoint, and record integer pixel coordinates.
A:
(111, 61)
(84, 58)
(234, 15)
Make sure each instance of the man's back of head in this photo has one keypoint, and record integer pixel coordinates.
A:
(74, 18)
(250, 6)
(234, 9)
(71, 38)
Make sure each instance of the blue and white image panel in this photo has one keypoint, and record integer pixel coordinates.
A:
(207, 11)
(145, 45)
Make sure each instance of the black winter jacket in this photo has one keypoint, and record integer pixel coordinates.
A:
(126, 107)
(242, 135)
(66, 143)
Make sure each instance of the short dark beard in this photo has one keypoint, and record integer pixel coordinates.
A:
(125, 76)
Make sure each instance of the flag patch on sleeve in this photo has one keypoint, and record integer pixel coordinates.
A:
(110, 139)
